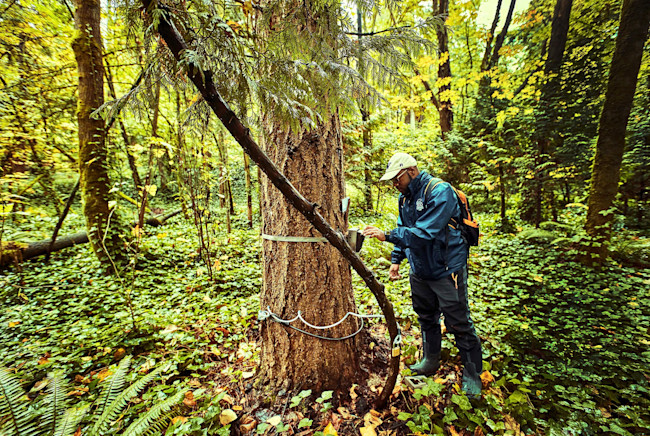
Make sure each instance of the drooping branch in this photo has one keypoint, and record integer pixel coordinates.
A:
(203, 80)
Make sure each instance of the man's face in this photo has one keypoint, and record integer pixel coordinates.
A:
(401, 181)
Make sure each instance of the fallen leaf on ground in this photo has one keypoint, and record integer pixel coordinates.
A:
(189, 399)
(368, 431)
(486, 378)
(344, 412)
(227, 416)
(330, 430)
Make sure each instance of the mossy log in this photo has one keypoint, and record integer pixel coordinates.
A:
(16, 252)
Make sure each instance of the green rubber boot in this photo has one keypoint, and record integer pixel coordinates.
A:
(471, 377)
(430, 360)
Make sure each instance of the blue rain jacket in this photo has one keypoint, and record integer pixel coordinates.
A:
(423, 235)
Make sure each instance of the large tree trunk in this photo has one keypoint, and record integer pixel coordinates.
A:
(310, 277)
(632, 34)
(93, 163)
(204, 83)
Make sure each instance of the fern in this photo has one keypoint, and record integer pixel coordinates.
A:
(68, 423)
(56, 402)
(14, 415)
(115, 385)
(114, 408)
(153, 415)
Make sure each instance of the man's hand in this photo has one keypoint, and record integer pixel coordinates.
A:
(374, 232)
(393, 272)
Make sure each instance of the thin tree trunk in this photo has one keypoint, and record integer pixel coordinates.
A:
(249, 196)
(137, 184)
(444, 75)
(546, 128)
(93, 171)
(632, 34)
(502, 192)
(64, 214)
(485, 63)
(494, 60)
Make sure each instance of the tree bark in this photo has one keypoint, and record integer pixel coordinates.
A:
(498, 43)
(204, 82)
(64, 214)
(545, 129)
(309, 277)
(444, 74)
(626, 62)
(137, 184)
(485, 63)
(249, 193)
(94, 181)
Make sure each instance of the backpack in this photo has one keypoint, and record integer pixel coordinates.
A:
(468, 226)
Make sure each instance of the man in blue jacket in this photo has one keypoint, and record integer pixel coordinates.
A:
(437, 255)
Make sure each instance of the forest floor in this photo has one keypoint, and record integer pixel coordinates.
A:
(566, 348)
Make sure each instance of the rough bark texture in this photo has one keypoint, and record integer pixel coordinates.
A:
(93, 172)
(310, 277)
(632, 34)
(203, 80)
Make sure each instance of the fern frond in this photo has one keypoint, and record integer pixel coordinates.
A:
(56, 401)
(14, 414)
(114, 384)
(165, 421)
(153, 415)
(114, 408)
(68, 423)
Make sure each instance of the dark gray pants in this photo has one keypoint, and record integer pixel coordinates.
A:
(449, 297)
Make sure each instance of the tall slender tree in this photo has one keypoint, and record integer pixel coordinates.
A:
(626, 62)
(93, 165)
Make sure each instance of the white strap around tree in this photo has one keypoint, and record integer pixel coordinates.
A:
(293, 238)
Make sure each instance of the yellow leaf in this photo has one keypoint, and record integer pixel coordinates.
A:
(274, 420)
(227, 416)
(487, 377)
(372, 420)
(368, 431)
(119, 353)
(101, 375)
(179, 418)
(87, 358)
(14, 323)
(217, 265)
(151, 189)
(330, 430)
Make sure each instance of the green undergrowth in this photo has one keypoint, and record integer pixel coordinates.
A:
(567, 346)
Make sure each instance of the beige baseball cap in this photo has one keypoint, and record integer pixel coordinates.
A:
(397, 163)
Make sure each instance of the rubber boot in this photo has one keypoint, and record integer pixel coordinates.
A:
(430, 360)
(472, 368)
